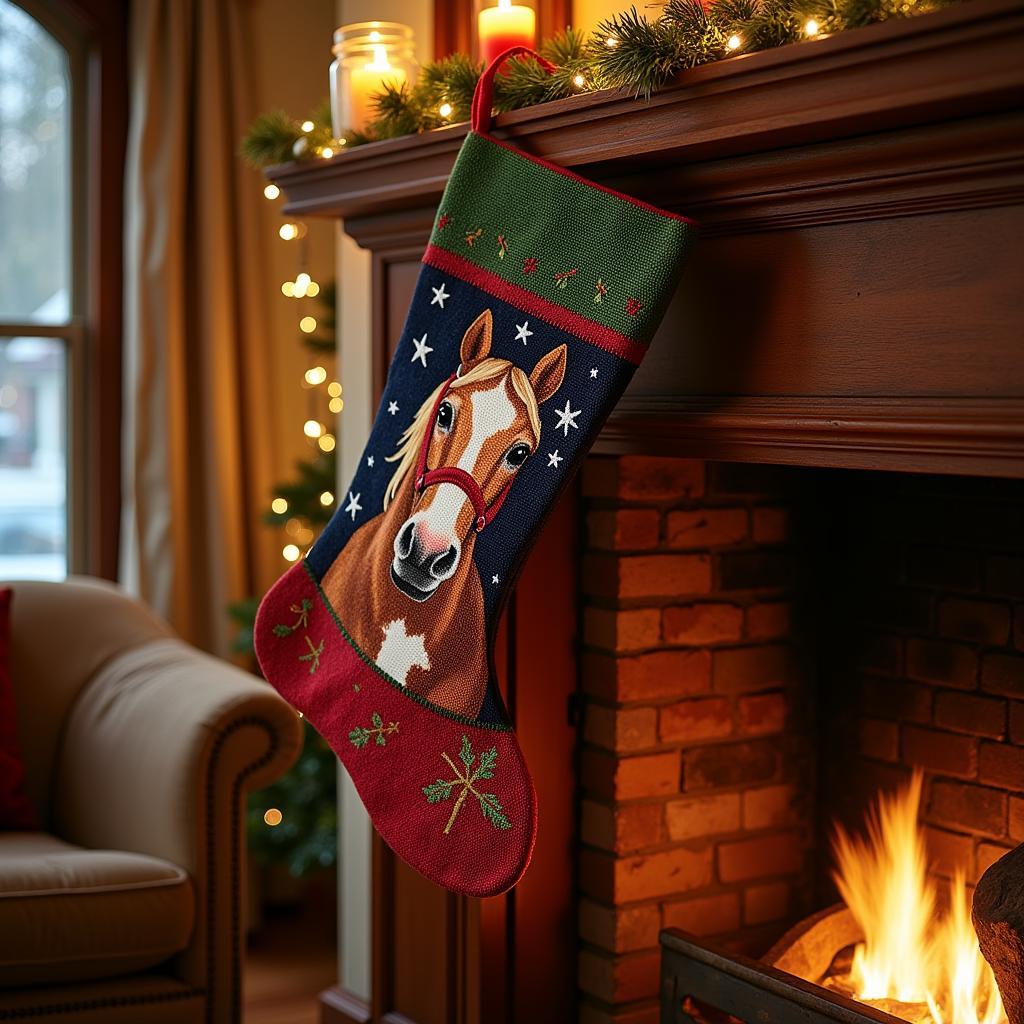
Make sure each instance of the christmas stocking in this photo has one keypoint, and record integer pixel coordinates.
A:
(538, 294)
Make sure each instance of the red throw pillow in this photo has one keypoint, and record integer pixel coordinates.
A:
(16, 813)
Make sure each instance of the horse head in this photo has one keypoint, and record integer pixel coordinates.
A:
(475, 432)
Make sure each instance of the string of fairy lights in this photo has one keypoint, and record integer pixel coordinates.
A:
(316, 380)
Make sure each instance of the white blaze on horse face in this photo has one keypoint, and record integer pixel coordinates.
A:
(493, 412)
(400, 652)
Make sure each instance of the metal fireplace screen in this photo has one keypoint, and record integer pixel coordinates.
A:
(704, 985)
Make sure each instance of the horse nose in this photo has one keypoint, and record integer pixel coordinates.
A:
(443, 565)
(405, 539)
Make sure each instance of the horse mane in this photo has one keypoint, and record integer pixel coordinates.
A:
(410, 442)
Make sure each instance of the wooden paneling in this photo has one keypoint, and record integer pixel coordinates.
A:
(543, 937)
(854, 299)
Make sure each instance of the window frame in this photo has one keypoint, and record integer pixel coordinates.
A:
(93, 35)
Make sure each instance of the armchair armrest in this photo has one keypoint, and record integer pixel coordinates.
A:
(157, 753)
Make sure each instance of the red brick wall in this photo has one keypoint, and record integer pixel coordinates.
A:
(933, 620)
(696, 768)
(763, 650)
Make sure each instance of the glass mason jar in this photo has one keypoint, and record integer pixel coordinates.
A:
(366, 55)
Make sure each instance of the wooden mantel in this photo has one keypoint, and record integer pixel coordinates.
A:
(856, 296)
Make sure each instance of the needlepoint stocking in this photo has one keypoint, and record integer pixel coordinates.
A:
(538, 294)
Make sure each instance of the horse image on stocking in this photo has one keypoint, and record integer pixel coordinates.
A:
(405, 585)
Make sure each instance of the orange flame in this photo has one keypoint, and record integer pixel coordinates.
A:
(909, 954)
(965, 991)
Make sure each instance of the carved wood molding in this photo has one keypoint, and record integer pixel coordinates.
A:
(339, 1006)
(963, 435)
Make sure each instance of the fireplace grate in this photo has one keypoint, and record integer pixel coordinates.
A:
(701, 984)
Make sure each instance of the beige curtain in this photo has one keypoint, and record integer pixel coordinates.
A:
(199, 430)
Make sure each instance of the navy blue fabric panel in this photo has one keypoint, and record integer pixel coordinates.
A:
(442, 309)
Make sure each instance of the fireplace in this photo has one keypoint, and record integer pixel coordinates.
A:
(765, 650)
(710, 658)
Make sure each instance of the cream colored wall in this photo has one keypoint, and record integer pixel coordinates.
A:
(587, 13)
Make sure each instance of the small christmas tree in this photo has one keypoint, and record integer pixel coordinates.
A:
(294, 821)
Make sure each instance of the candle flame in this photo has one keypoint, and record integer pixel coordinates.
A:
(380, 59)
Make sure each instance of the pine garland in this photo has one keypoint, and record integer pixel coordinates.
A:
(628, 51)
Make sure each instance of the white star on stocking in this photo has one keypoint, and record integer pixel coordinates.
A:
(494, 578)
(369, 461)
(392, 408)
(567, 418)
(439, 296)
(523, 332)
(554, 459)
(593, 373)
(422, 350)
(353, 505)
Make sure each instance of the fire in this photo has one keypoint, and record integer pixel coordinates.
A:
(967, 982)
(910, 954)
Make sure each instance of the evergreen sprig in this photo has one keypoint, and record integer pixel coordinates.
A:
(628, 51)
(271, 139)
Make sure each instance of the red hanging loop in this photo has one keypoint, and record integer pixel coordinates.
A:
(483, 96)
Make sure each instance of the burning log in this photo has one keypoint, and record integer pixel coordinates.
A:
(998, 917)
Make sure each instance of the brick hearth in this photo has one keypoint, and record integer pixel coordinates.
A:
(763, 648)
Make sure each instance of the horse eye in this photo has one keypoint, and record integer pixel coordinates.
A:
(445, 417)
(517, 455)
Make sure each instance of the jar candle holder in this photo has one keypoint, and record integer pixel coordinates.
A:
(367, 55)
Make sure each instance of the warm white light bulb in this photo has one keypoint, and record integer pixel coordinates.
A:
(273, 817)
(307, 324)
(445, 110)
(279, 505)
(312, 428)
(326, 442)
(313, 290)
(301, 286)
(291, 552)
(288, 231)
(327, 152)
(334, 389)
(288, 288)
(811, 28)
(316, 375)
(579, 81)
(326, 498)
(336, 405)
(271, 191)
(611, 42)
(734, 42)
(308, 126)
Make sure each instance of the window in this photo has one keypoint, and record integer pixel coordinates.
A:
(40, 325)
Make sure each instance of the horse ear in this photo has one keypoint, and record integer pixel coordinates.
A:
(476, 342)
(548, 374)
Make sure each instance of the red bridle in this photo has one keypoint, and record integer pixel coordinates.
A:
(452, 474)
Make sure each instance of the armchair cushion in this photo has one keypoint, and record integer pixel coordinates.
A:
(70, 914)
(15, 809)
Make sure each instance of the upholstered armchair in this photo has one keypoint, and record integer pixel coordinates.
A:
(139, 749)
